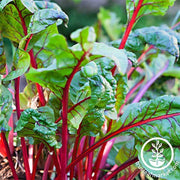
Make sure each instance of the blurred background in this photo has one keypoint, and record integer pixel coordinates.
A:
(84, 12)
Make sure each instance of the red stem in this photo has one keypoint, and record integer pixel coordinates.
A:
(75, 149)
(134, 174)
(9, 155)
(36, 160)
(90, 160)
(24, 149)
(130, 25)
(46, 168)
(139, 59)
(120, 168)
(100, 155)
(115, 133)
(64, 118)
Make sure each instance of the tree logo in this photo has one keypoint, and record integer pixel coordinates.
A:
(155, 158)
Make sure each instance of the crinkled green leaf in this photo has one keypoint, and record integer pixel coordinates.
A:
(162, 39)
(41, 19)
(166, 127)
(92, 122)
(2, 57)
(153, 7)
(38, 124)
(21, 65)
(5, 108)
(102, 100)
(110, 22)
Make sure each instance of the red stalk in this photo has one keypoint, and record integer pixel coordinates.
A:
(100, 155)
(90, 160)
(115, 133)
(130, 24)
(64, 118)
(36, 160)
(9, 155)
(120, 168)
(75, 149)
(46, 168)
(134, 174)
(24, 149)
(139, 59)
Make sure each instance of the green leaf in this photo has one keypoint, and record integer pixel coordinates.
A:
(51, 5)
(30, 5)
(38, 124)
(92, 122)
(15, 16)
(28, 96)
(5, 108)
(44, 57)
(173, 72)
(117, 55)
(3, 3)
(121, 91)
(2, 57)
(21, 65)
(102, 100)
(153, 7)
(89, 69)
(110, 22)
(126, 150)
(162, 39)
(162, 107)
(84, 35)
(41, 19)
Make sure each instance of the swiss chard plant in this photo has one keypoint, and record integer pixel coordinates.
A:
(80, 107)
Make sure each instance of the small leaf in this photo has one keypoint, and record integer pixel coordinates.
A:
(21, 65)
(85, 35)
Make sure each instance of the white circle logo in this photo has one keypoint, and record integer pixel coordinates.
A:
(157, 160)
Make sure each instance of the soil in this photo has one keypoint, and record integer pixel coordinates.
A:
(5, 170)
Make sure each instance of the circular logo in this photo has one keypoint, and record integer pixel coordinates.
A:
(156, 159)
